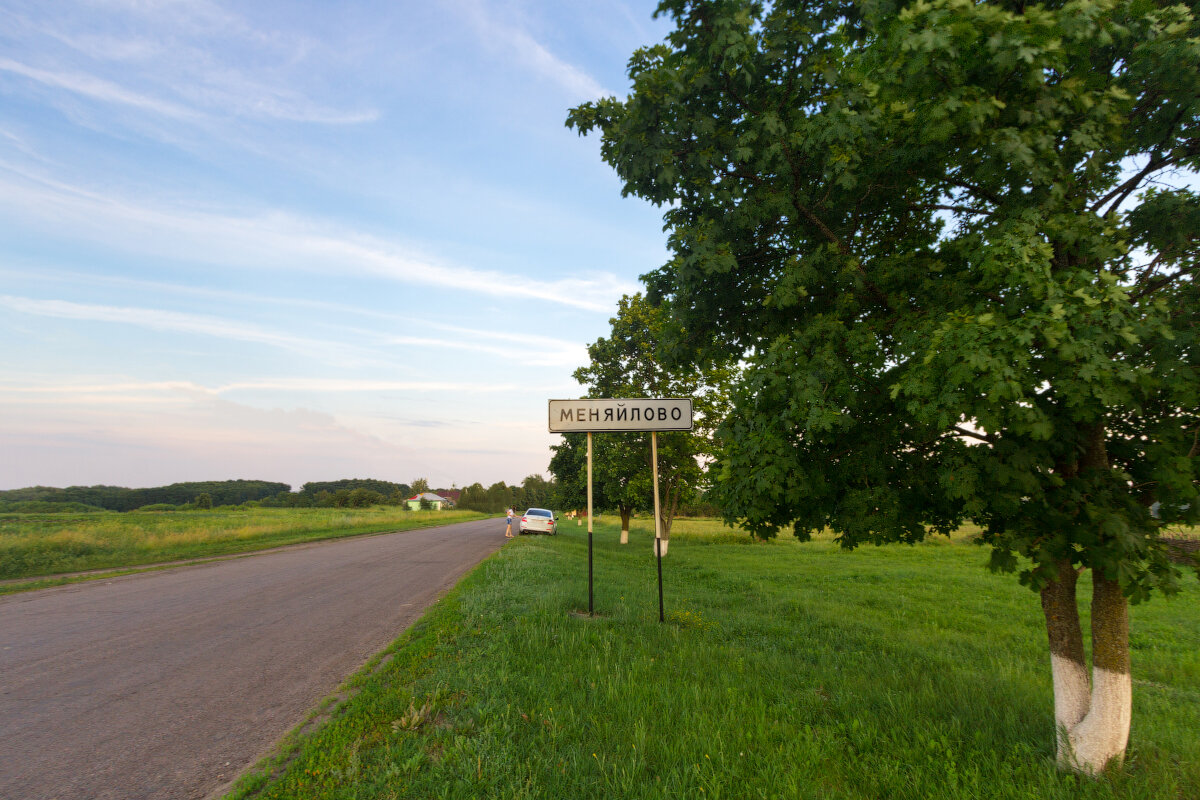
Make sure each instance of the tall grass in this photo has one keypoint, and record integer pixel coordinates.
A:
(49, 544)
(784, 670)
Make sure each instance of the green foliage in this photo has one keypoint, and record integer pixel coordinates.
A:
(943, 238)
(537, 492)
(474, 497)
(500, 496)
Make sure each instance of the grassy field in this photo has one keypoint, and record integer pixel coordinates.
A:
(784, 670)
(48, 544)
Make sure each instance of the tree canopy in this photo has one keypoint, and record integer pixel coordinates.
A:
(955, 244)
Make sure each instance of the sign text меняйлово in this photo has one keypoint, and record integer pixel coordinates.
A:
(621, 414)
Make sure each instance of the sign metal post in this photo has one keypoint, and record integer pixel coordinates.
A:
(591, 605)
(657, 522)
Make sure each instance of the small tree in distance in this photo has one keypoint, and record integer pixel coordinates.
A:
(620, 474)
(628, 363)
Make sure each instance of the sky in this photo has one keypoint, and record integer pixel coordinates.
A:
(305, 241)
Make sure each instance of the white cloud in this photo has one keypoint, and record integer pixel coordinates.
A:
(548, 65)
(563, 355)
(535, 352)
(174, 321)
(336, 385)
(210, 60)
(70, 390)
(279, 240)
(530, 349)
(97, 89)
(529, 52)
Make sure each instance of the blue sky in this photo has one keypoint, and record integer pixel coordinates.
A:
(304, 241)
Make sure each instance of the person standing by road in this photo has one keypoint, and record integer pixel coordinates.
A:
(508, 525)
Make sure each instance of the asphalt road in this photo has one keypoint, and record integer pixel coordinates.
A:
(168, 684)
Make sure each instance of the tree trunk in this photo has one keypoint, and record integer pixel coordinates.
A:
(670, 500)
(664, 528)
(625, 512)
(674, 490)
(1092, 720)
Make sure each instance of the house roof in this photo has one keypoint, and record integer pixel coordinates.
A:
(430, 496)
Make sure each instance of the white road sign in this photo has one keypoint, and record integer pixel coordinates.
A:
(621, 414)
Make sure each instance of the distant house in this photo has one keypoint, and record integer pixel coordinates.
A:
(436, 502)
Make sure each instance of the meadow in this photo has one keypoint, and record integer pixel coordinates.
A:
(36, 545)
(783, 670)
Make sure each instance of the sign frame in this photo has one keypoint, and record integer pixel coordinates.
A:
(621, 415)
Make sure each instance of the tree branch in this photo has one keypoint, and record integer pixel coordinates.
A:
(1120, 193)
(1154, 286)
(983, 437)
(1128, 187)
(978, 190)
(957, 209)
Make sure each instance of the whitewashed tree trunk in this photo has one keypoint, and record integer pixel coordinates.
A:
(665, 542)
(1092, 718)
(625, 536)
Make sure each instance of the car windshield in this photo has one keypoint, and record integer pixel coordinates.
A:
(538, 512)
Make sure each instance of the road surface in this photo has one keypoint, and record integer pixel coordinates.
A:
(167, 684)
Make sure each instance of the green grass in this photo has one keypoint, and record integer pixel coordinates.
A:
(784, 670)
(37, 545)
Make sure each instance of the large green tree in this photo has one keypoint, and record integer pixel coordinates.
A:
(628, 363)
(956, 246)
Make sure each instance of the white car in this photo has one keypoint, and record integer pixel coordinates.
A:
(538, 520)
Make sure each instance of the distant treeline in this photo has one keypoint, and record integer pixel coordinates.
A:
(348, 493)
(534, 492)
(118, 498)
(383, 488)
